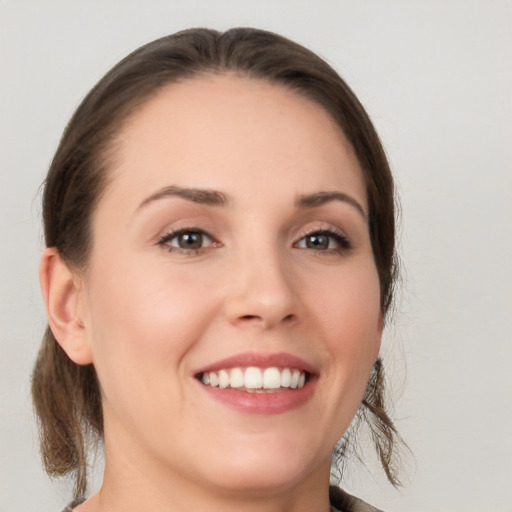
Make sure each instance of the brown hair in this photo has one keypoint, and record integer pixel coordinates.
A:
(67, 396)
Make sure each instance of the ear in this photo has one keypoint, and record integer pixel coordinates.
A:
(63, 295)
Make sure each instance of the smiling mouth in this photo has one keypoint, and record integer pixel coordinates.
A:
(255, 380)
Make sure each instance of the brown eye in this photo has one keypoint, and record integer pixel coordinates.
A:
(186, 240)
(189, 240)
(318, 242)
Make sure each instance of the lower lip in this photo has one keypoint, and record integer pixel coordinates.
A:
(262, 403)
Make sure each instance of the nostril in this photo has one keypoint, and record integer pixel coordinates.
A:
(288, 318)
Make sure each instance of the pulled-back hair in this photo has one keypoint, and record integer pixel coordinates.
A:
(66, 395)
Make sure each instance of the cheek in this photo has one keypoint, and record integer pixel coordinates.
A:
(144, 320)
(349, 305)
(351, 323)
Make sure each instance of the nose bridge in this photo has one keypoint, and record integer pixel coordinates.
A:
(262, 289)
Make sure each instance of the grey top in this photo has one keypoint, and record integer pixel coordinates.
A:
(340, 500)
(74, 504)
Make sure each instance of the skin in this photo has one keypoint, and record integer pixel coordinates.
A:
(148, 316)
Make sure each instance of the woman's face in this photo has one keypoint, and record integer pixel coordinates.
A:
(231, 245)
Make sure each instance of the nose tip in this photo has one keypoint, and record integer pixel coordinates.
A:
(263, 296)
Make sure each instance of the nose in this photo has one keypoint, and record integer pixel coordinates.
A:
(261, 292)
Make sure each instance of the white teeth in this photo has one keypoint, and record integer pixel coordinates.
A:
(237, 378)
(254, 378)
(214, 379)
(286, 378)
(271, 378)
(223, 379)
(294, 382)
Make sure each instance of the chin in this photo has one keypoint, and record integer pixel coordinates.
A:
(258, 482)
(266, 471)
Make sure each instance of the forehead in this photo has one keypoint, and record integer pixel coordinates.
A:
(220, 131)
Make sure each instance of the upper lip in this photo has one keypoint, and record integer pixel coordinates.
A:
(261, 360)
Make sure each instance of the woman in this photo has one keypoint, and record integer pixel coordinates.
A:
(220, 260)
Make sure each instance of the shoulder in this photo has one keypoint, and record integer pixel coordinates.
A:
(340, 499)
(345, 502)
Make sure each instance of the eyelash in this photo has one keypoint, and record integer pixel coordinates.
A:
(342, 242)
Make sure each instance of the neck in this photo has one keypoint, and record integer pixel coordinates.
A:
(134, 488)
(137, 479)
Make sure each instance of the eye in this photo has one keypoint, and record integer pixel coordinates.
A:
(324, 241)
(186, 240)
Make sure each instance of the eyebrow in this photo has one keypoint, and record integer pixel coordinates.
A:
(321, 198)
(196, 195)
(216, 198)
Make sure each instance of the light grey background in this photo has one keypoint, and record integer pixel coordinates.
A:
(436, 78)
